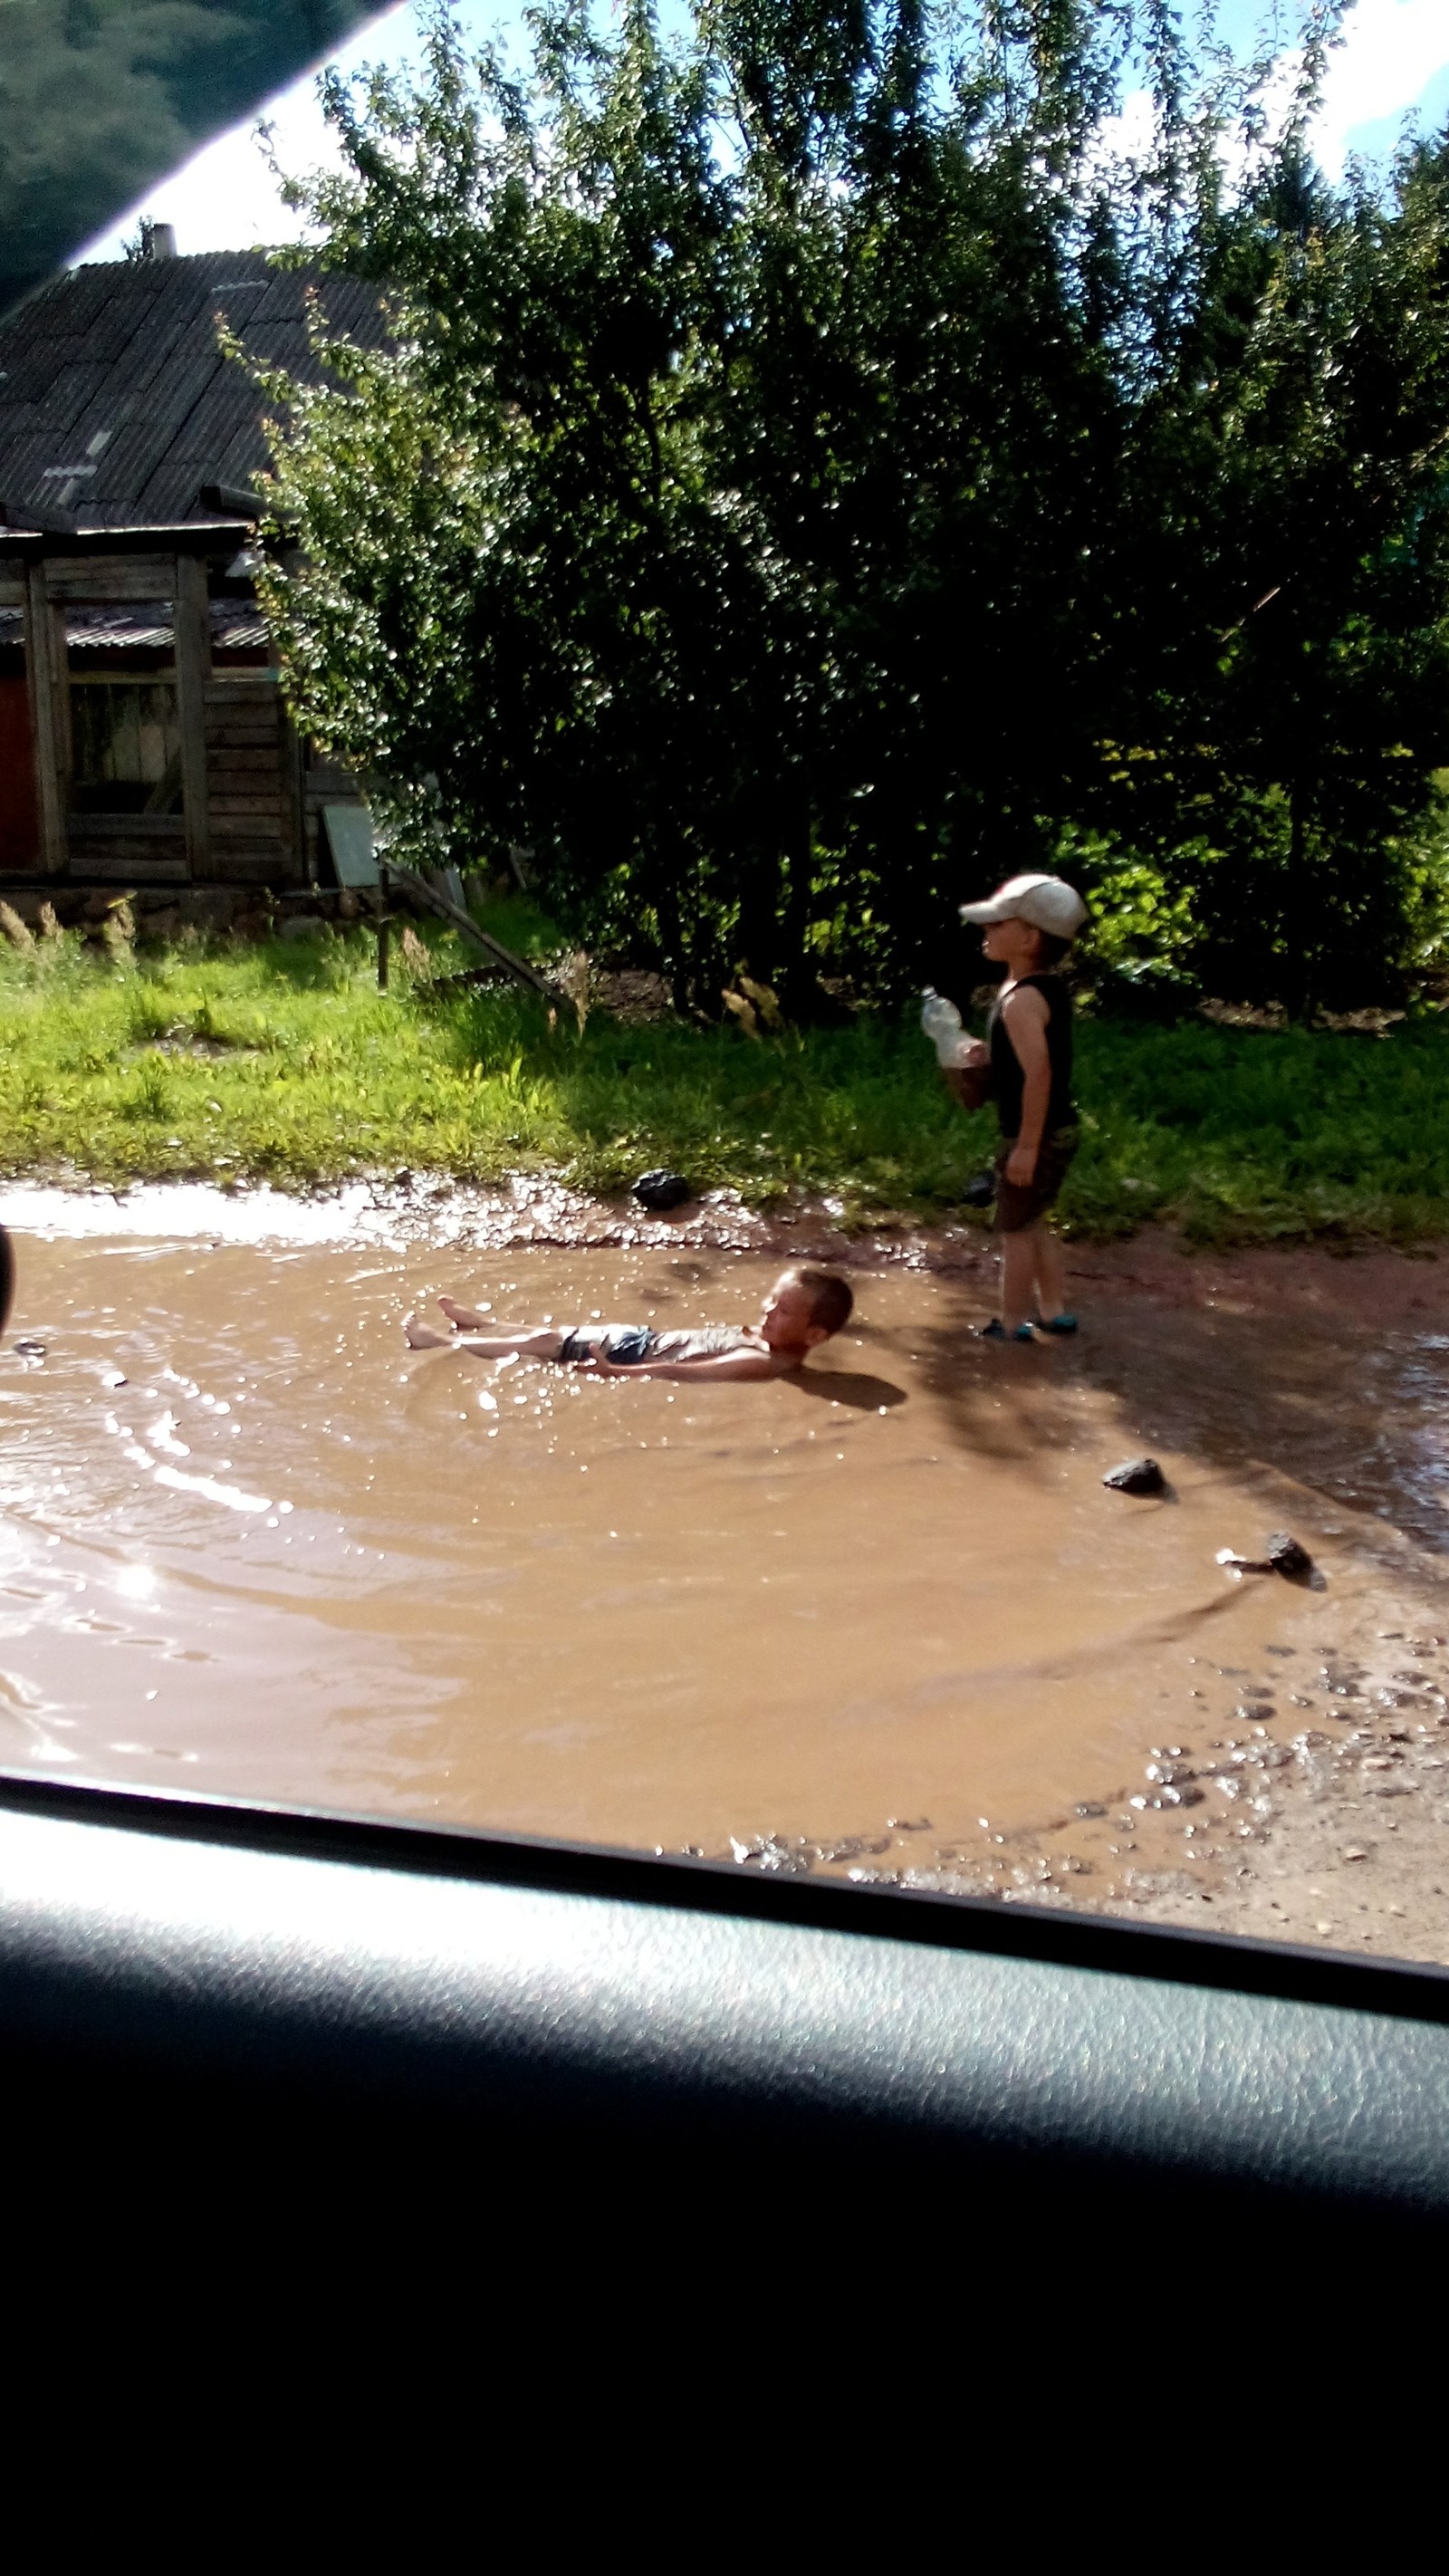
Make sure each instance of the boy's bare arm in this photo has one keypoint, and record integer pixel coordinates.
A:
(719, 1368)
(540, 1344)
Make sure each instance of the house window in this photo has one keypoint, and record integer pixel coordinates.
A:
(125, 746)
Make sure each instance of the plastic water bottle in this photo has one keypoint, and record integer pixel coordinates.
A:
(942, 1024)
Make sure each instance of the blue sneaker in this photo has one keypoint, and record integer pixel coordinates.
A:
(1057, 1324)
(996, 1331)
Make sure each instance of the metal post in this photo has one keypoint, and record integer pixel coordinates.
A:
(384, 927)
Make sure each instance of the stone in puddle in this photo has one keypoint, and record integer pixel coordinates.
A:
(1136, 1476)
(29, 1348)
(662, 1190)
(1283, 1554)
(1287, 1555)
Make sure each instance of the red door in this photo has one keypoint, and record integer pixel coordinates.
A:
(19, 821)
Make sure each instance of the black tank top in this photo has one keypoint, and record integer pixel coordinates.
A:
(1008, 1082)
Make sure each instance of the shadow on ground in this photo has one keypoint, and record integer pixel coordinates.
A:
(1360, 1417)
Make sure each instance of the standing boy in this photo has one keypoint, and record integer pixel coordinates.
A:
(1029, 924)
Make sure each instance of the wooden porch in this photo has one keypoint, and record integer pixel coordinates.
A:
(235, 803)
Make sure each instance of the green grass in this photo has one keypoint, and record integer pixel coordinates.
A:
(286, 1063)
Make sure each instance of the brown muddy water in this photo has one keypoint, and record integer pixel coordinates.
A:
(250, 1543)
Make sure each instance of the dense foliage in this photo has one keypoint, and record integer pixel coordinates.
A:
(821, 467)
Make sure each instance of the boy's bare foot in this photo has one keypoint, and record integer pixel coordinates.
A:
(462, 1316)
(424, 1337)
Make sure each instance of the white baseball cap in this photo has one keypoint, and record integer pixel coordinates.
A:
(1048, 903)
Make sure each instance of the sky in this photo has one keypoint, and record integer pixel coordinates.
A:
(1394, 60)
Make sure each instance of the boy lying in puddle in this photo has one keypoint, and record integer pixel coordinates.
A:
(804, 1307)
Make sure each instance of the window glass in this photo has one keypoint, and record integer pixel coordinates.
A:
(126, 743)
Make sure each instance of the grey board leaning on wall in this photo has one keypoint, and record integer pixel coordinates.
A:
(99, 100)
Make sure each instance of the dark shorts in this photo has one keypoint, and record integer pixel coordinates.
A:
(1017, 1207)
(628, 1346)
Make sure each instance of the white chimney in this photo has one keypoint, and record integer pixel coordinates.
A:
(160, 241)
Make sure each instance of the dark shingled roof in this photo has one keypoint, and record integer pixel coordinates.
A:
(116, 405)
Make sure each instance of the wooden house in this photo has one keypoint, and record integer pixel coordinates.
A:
(144, 741)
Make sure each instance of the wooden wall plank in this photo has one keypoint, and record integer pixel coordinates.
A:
(107, 866)
(139, 828)
(294, 816)
(103, 581)
(251, 762)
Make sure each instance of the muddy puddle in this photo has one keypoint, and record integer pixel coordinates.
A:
(885, 1617)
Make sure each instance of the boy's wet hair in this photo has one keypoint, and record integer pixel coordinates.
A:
(830, 1298)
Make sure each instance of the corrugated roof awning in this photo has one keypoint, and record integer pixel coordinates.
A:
(145, 626)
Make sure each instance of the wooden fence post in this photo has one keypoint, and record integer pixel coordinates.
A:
(47, 669)
(193, 670)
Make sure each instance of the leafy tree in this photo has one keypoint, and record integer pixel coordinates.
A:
(1283, 572)
(517, 581)
(815, 470)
